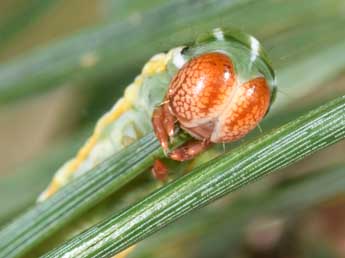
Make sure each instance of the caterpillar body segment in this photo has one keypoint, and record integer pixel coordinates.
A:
(128, 120)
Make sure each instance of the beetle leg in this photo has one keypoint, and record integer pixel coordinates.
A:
(189, 150)
(159, 170)
(169, 120)
(163, 122)
(158, 127)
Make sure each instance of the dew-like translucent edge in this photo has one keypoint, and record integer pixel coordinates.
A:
(229, 33)
(233, 34)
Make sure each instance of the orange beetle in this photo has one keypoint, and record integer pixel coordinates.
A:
(211, 103)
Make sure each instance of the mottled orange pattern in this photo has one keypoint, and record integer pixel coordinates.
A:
(245, 110)
(211, 103)
(198, 92)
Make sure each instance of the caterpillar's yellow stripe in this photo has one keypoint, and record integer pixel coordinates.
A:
(157, 64)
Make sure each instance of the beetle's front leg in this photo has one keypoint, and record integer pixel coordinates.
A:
(189, 150)
(163, 124)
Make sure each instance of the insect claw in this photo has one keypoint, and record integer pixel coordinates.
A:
(171, 139)
(171, 133)
(165, 148)
(166, 152)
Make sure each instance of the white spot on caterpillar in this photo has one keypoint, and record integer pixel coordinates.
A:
(178, 59)
(255, 46)
(218, 34)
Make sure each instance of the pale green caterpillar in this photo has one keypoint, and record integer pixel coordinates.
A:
(130, 117)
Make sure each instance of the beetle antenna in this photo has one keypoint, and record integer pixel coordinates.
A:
(259, 127)
(164, 102)
(285, 93)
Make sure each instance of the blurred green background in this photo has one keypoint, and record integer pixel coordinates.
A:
(64, 63)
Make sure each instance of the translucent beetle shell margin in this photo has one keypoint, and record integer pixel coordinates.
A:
(219, 95)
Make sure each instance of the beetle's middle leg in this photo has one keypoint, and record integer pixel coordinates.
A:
(189, 150)
(185, 152)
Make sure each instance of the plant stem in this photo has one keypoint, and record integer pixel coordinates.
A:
(309, 133)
